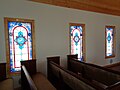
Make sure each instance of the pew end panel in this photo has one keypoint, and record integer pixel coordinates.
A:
(30, 66)
(55, 59)
(69, 57)
(51, 77)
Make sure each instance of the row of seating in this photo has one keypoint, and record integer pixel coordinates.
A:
(64, 79)
(105, 78)
(114, 66)
(33, 80)
(78, 76)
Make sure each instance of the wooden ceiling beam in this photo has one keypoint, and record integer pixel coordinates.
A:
(102, 6)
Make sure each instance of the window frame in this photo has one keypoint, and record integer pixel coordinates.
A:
(6, 20)
(114, 42)
(83, 40)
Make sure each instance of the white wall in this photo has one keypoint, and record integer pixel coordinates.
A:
(52, 30)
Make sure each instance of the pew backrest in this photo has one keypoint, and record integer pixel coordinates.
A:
(100, 75)
(75, 83)
(72, 80)
(30, 66)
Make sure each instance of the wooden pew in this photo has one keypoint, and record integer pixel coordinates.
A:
(27, 82)
(114, 66)
(55, 59)
(33, 80)
(30, 67)
(105, 78)
(75, 56)
(63, 79)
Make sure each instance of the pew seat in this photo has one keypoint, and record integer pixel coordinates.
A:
(41, 82)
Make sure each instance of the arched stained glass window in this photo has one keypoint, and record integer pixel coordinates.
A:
(20, 42)
(110, 41)
(77, 40)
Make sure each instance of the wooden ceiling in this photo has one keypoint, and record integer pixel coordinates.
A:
(102, 6)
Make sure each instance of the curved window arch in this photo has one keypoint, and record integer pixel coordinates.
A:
(19, 42)
(77, 40)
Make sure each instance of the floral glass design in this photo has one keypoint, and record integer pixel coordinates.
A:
(109, 41)
(20, 43)
(76, 34)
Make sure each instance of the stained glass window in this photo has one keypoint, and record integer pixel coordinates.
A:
(77, 40)
(110, 41)
(20, 42)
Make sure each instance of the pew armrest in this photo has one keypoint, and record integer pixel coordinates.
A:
(28, 78)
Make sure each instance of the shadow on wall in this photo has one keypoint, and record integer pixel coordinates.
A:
(42, 66)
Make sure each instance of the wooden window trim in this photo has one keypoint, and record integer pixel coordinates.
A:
(84, 44)
(114, 42)
(6, 20)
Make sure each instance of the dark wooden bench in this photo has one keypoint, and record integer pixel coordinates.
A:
(101, 76)
(114, 66)
(64, 79)
(5, 83)
(28, 82)
(33, 80)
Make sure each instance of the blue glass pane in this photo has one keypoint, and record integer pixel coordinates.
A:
(109, 40)
(20, 43)
(76, 41)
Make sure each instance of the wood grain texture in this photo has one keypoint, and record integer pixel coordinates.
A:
(102, 6)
